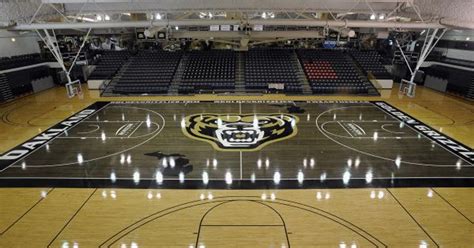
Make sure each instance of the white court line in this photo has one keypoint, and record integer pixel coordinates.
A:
(325, 133)
(108, 155)
(343, 127)
(418, 132)
(135, 129)
(389, 131)
(241, 167)
(97, 137)
(96, 128)
(223, 178)
(363, 137)
(106, 121)
(37, 149)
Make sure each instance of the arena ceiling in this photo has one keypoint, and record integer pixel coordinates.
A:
(76, 14)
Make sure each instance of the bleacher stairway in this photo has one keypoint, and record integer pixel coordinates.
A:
(306, 88)
(239, 75)
(110, 86)
(174, 86)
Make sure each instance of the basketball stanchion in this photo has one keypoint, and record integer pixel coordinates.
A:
(74, 88)
(407, 88)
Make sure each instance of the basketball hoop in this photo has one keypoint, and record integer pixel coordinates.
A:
(407, 88)
(74, 89)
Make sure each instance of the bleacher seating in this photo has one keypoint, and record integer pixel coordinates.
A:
(331, 71)
(108, 64)
(271, 66)
(19, 61)
(208, 71)
(371, 62)
(149, 72)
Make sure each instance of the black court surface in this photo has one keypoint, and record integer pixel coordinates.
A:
(239, 144)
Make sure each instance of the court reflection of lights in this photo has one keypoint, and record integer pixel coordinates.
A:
(349, 162)
(104, 194)
(129, 159)
(80, 159)
(113, 194)
(308, 117)
(122, 158)
(327, 196)
(205, 177)
(23, 165)
(368, 176)
(346, 177)
(267, 163)
(158, 195)
(305, 162)
(458, 165)
(342, 245)
(181, 177)
(172, 162)
(276, 177)
(202, 197)
(376, 136)
(372, 194)
(353, 245)
(214, 163)
(312, 163)
(319, 195)
(210, 196)
(334, 117)
(252, 178)
(202, 246)
(423, 244)
(133, 245)
(259, 163)
(149, 196)
(136, 177)
(148, 121)
(113, 177)
(43, 194)
(381, 194)
(300, 177)
(47, 147)
(164, 162)
(228, 178)
(323, 177)
(398, 161)
(159, 177)
(264, 196)
(272, 196)
(357, 162)
(103, 137)
(183, 123)
(402, 124)
(430, 193)
(208, 163)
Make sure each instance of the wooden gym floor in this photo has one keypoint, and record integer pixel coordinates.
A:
(359, 209)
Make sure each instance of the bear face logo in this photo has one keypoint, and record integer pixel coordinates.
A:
(240, 132)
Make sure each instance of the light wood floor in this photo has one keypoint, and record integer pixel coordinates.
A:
(400, 217)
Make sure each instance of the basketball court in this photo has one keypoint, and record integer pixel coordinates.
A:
(239, 144)
(214, 123)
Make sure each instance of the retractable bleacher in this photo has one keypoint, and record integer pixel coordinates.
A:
(371, 62)
(149, 72)
(108, 63)
(208, 71)
(271, 66)
(19, 61)
(332, 72)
